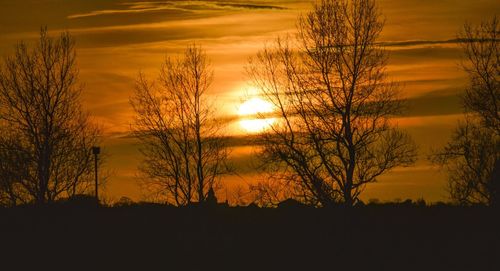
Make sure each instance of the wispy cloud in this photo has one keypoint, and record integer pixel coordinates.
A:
(117, 11)
(249, 6)
(155, 6)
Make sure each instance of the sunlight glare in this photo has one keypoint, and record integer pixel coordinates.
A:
(250, 109)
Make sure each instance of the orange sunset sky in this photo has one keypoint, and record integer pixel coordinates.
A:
(118, 38)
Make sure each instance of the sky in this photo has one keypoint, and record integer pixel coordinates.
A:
(117, 39)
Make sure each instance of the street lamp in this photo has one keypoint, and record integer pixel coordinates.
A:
(96, 150)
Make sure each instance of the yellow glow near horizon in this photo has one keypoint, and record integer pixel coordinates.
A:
(250, 109)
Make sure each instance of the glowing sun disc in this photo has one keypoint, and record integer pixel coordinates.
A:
(250, 109)
(255, 106)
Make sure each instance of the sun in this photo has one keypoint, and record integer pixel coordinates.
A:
(249, 112)
(255, 106)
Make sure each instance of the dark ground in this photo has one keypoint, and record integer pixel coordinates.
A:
(167, 238)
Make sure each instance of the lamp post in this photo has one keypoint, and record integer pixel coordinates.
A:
(96, 150)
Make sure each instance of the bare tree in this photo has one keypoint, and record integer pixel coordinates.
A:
(470, 159)
(185, 154)
(482, 63)
(46, 146)
(13, 168)
(270, 192)
(472, 156)
(329, 87)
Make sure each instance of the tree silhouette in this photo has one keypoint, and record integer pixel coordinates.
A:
(472, 156)
(470, 159)
(481, 48)
(330, 89)
(46, 137)
(184, 152)
(269, 193)
(13, 168)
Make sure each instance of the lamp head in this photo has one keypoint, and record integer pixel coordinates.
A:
(96, 150)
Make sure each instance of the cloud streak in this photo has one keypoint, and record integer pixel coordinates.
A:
(192, 6)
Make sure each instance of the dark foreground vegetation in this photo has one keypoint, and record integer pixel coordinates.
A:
(157, 237)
